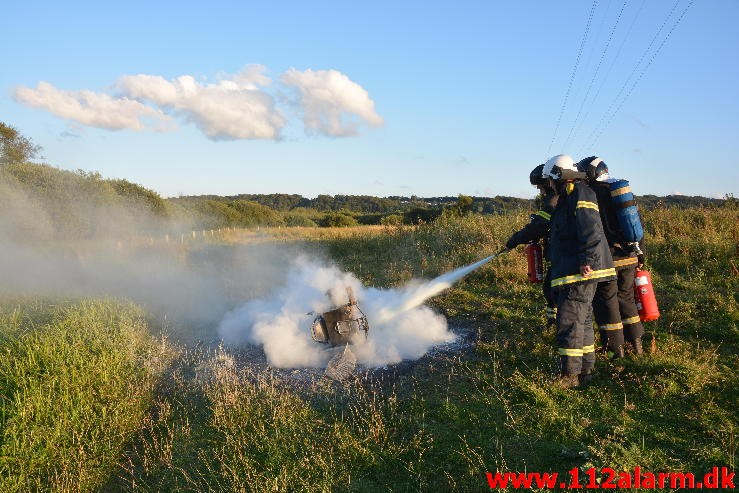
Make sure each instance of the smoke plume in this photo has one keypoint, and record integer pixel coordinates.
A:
(82, 244)
(281, 323)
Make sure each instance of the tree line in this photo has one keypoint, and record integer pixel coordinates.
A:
(66, 201)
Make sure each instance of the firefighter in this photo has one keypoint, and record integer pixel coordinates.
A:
(627, 256)
(538, 229)
(580, 259)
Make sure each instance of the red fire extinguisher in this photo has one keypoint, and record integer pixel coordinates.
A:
(535, 261)
(646, 302)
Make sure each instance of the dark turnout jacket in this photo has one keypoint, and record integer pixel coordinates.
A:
(538, 227)
(577, 239)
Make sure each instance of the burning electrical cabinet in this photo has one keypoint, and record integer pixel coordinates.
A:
(340, 325)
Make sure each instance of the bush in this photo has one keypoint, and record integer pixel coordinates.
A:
(79, 205)
(136, 196)
(298, 220)
(338, 220)
(252, 214)
(392, 220)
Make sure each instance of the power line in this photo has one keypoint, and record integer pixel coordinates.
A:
(610, 68)
(595, 74)
(605, 116)
(572, 75)
(631, 89)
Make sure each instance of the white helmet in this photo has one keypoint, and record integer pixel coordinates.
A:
(561, 167)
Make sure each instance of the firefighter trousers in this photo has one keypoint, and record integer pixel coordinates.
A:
(607, 315)
(633, 328)
(575, 337)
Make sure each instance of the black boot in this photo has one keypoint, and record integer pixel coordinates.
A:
(637, 346)
(616, 353)
(566, 381)
(584, 378)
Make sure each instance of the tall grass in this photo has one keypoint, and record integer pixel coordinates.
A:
(76, 381)
(222, 427)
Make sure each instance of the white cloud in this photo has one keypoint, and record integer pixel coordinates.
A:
(332, 104)
(233, 108)
(89, 108)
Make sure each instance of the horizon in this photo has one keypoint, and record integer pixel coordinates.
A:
(311, 197)
(335, 99)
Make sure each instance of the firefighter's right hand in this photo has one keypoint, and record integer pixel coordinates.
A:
(640, 261)
(585, 270)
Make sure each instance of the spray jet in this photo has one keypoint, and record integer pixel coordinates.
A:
(432, 288)
(344, 325)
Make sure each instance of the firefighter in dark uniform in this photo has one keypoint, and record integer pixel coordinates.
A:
(580, 260)
(627, 256)
(538, 229)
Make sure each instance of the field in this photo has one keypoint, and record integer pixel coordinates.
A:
(94, 398)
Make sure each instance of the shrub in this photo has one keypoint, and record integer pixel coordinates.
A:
(392, 220)
(338, 220)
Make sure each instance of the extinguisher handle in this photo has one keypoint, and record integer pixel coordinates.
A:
(640, 261)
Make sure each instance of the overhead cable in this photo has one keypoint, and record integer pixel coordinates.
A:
(572, 75)
(614, 103)
(610, 68)
(595, 74)
(636, 82)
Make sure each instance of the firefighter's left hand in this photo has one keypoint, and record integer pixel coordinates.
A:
(640, 261)
(585, 270)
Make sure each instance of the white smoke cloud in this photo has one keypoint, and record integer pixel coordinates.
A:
(332, 104)
(235, 107)
(89, 108)
(90, 247)
(281, 323)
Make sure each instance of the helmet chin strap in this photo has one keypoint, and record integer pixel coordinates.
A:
(563, 186)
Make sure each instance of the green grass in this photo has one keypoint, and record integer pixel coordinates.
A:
(207, 424)
(76, 380)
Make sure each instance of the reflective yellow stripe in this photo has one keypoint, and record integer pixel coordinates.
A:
(625, 261)
(563, 351)
(620, 191)
(569, 188)
(597, 274)
(545, 215)
(588, 349)
(617, 326)
(584, 204)
(632, 320)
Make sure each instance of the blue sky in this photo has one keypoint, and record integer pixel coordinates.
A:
(378, 98)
